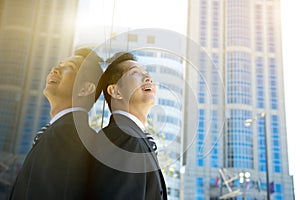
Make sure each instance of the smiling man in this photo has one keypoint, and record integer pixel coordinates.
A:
(128, 167)
(58, 165)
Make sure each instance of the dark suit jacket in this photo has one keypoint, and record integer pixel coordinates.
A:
(58, 166)
(128, 167)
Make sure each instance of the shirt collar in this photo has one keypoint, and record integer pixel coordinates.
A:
(64, 112)
(132, 117)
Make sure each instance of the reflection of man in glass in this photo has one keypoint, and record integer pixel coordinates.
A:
(57, 166)
(130, 93)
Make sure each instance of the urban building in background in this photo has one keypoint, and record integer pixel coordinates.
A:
(248, 159)
(34, 36)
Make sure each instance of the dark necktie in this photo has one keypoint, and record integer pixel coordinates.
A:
(39, 134)
(151, 141)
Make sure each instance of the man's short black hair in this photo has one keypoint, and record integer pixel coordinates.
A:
(90, 68)
(113, 73)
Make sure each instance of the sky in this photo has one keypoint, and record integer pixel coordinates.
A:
(290, 16)
(148, 14)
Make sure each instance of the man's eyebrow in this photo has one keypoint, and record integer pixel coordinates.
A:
(128, 69)
(74, 63)
(132, 67)
(71, 64)
(63, 63)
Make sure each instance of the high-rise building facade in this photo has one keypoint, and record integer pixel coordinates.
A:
(239, 149)
(34, 36)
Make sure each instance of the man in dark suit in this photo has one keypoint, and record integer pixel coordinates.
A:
(58, 165)
(128, 167)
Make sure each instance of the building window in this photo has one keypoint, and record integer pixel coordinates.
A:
(240, 142)
(199, 189)
(170, 87)
(215, 25)
(151, 68)
(200, 138)
(151, 39)
(273, 84)
(260, 90)
(261, 135)
(214, 135)
(132, 38)
(239, 78)
(275, 144)
(258, 28)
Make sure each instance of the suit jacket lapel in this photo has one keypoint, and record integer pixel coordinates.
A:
(128, 126)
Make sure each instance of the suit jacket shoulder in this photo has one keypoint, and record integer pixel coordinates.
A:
(127, 169)
(125, 134)
(57, 167)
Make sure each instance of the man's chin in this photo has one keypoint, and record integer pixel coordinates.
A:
(48, 93)
(45, 92)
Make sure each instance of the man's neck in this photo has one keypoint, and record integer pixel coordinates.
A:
(130, 116)
(57, 108)
(144, 111)
(66, 111)
(139, 111)
(140, 116)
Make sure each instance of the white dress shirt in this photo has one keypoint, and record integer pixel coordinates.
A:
(132, 117)
(64, 112)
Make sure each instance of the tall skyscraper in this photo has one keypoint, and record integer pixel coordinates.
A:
(34, 36)
(239, 82)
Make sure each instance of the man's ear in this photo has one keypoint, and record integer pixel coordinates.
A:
(113, 91)
(87, 89)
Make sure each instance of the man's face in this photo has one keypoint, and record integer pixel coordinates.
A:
(136, 85)
(60, 80)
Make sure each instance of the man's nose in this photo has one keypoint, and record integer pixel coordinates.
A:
(148, 79)
(54, 70)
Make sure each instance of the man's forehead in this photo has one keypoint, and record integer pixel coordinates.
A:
(75, 60)
(131, 64)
